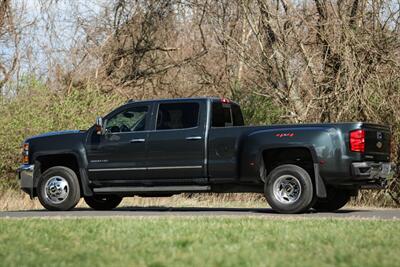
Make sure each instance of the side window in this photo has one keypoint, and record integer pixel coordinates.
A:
(237, 116)
(129, 120)
(225, 115)
(177, 116)
(218, 118)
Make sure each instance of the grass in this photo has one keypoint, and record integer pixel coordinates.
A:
(202, 241)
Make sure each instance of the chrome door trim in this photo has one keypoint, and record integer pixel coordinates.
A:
(118, 169)
(146, 168)
(174, 167)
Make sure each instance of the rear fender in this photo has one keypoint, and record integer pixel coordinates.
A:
(319, 141)
(320, 188)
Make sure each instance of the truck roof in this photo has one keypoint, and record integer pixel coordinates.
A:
(184, 99)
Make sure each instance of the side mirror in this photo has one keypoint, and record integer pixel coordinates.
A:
(99, 125)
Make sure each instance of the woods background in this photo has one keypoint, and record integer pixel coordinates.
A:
(62, 63)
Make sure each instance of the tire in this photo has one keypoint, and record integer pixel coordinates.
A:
(103, 202)
(59, 189)
(297, 197)
(336, 199)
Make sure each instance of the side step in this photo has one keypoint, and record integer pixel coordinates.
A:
(144, 189)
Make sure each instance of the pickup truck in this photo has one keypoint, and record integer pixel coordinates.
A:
(158, 148)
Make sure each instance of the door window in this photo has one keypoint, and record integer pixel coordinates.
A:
(177, 116)
(129, 120)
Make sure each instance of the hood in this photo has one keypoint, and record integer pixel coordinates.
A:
(55, 133)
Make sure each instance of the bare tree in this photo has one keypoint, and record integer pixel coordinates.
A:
(144, 45)
(9, 41)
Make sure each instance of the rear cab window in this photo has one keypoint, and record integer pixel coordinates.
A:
(226, 114)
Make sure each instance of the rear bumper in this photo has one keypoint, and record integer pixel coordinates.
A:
(374, 174)
(25, 178)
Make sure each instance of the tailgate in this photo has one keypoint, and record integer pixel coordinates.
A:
(377, 142)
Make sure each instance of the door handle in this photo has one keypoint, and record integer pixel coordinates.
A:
(139, 140)
(194, 138)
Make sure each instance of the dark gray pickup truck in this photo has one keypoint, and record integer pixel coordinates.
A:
(164, 147)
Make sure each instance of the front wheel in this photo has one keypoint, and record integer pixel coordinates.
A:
(59, 189)
(336, 199)
(103, 202)
(289, 189)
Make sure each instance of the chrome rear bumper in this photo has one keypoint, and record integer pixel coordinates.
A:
(372, 170)
(372, 174)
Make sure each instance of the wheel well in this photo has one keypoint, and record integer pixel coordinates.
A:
(298, 156)
(66, 160)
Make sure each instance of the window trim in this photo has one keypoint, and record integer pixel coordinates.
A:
(178, 102)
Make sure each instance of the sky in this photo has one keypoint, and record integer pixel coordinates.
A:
(49, 29)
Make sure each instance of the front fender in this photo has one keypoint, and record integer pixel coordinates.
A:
(80, 157)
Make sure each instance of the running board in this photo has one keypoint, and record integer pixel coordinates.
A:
(145, 189)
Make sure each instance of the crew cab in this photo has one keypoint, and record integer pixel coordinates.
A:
(163, 147)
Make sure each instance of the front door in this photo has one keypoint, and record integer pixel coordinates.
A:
(176, 147)
(120, 153)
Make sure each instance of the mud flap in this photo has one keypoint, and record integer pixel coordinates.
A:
(320, 189)
(84, 183)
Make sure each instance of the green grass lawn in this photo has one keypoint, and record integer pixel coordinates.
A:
(198, 242)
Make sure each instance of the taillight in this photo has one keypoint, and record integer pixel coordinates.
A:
(357, 141)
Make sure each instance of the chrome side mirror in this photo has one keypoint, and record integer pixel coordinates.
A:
(99, 126)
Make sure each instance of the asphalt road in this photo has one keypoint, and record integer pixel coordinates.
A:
(197, 212)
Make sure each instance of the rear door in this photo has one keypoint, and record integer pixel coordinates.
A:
(224, 140)
(176, 147)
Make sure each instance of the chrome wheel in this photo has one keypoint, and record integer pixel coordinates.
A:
(287, 189)
(56, 189)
